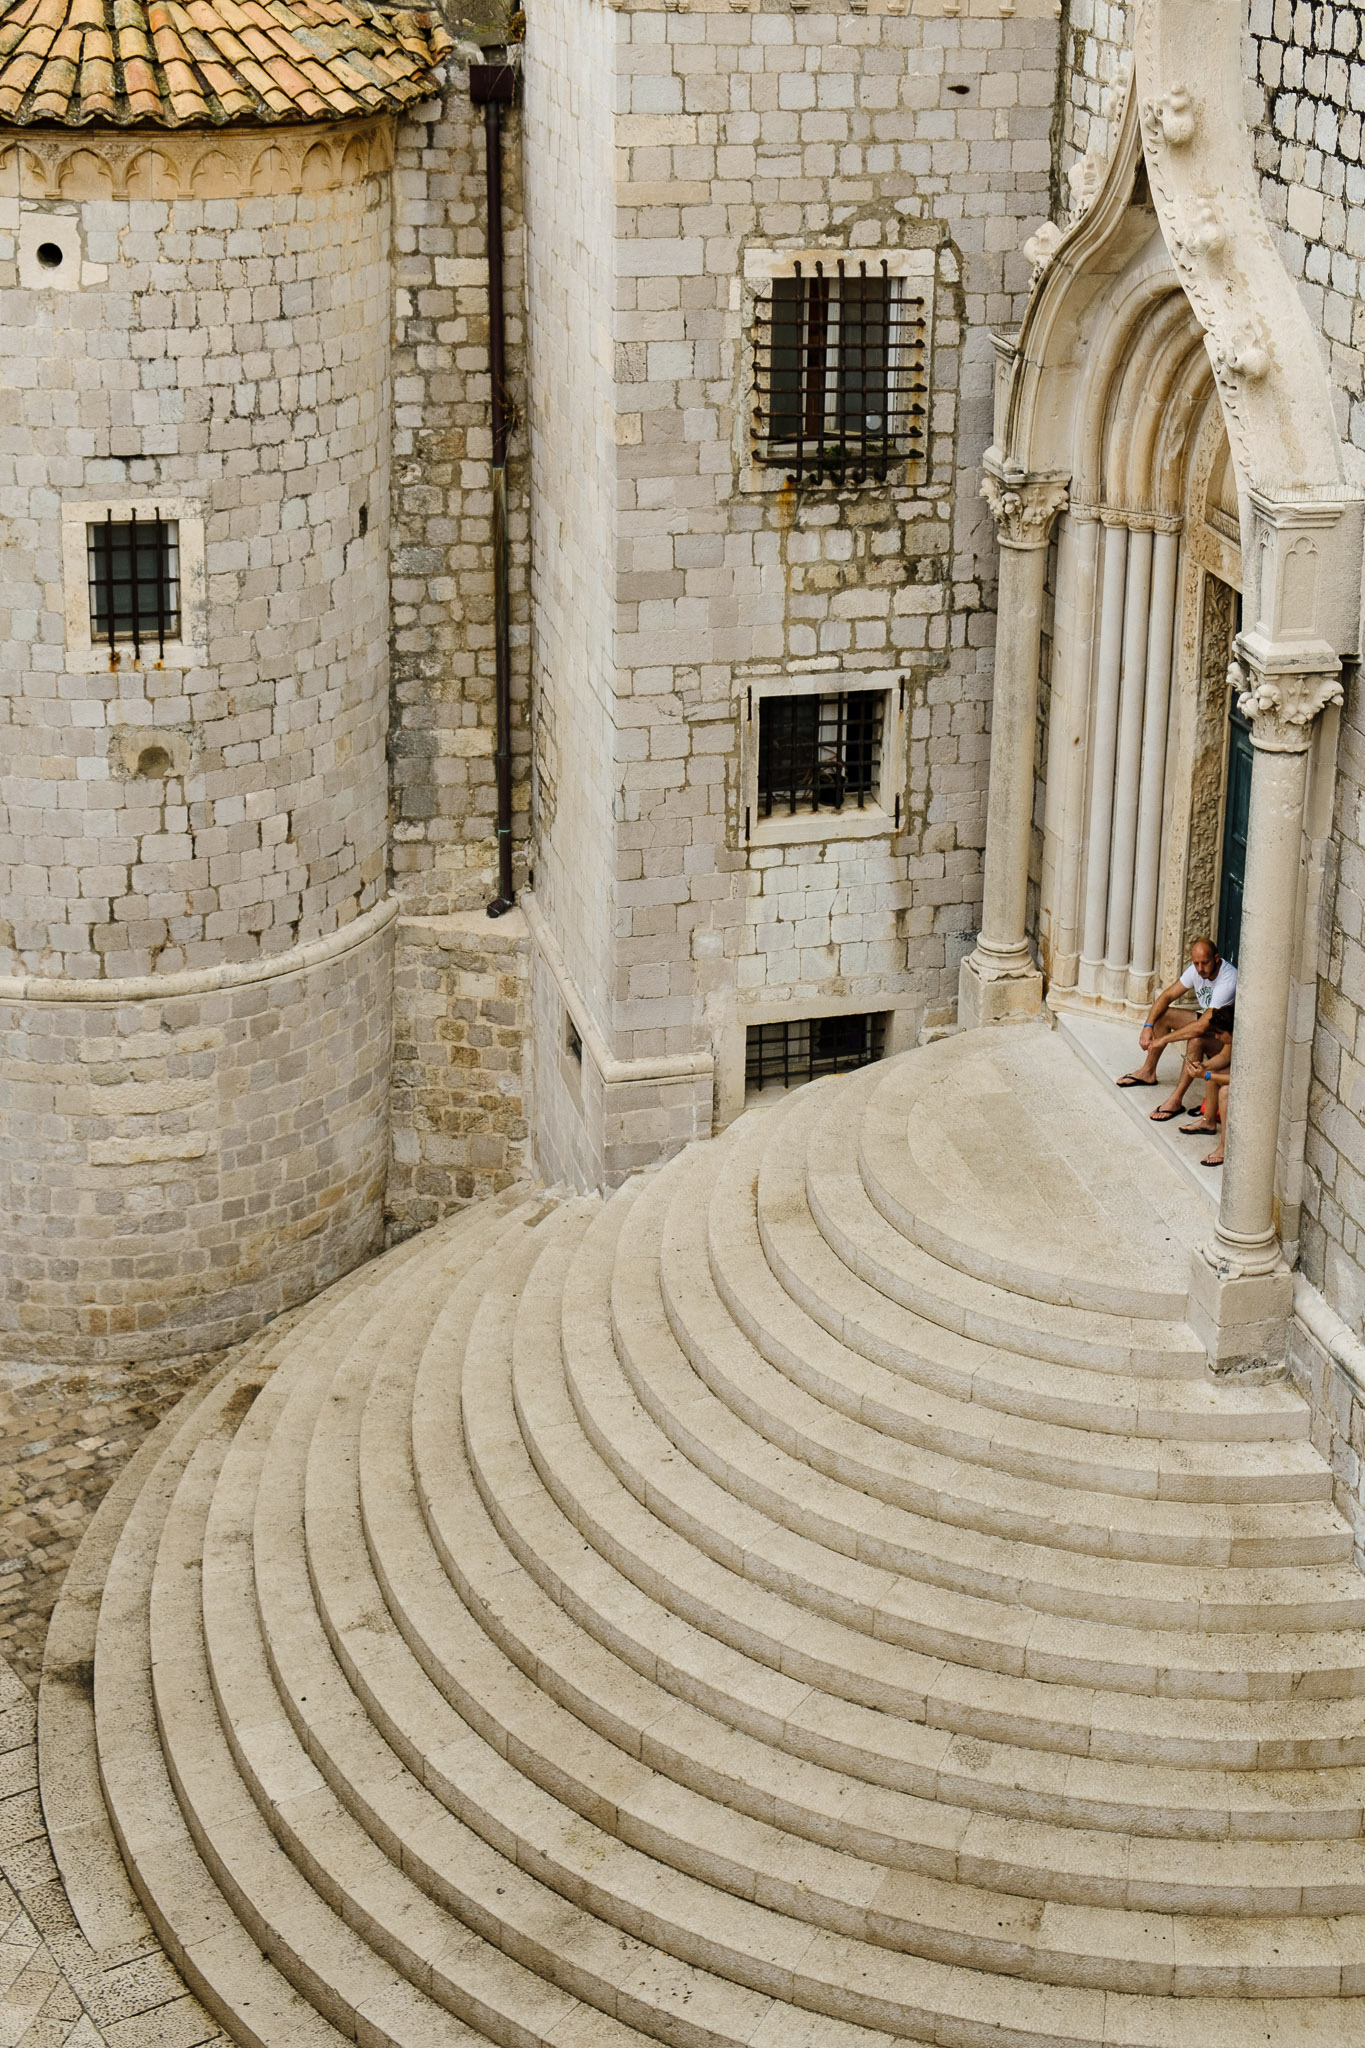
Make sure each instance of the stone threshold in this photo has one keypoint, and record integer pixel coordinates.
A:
(1110, 1048)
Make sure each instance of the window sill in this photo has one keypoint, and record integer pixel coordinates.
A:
(97, 661)
(811, 828)
(903, 475)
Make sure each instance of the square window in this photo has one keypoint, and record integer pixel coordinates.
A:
(800, 1049)
(134, 581)
(841, 370)
(819, 752)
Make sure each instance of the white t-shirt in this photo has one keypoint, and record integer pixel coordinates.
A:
(1212, 995)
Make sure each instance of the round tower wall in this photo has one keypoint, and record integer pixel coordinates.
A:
(195, 946)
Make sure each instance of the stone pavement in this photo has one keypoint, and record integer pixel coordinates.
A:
(64, 1437)
(54, 1992)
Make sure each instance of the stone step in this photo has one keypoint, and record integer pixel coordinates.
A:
(314, 1862)
(847, 1306)
(601, 1785)
(862, 1422)
(668, 1225)
(394, 1696)
(815, 1600)
(990, 1164)
(715, 1550)
(755, 1772)
(287, 1586)
(602, 1593)
(699, 1529)
(815, 1149)
(835, 1653)
(216, 1924)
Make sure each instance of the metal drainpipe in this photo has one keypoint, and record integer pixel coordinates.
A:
(493, 87)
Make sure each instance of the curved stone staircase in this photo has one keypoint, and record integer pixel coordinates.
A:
(815, 1599)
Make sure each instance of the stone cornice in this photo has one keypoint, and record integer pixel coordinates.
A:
(198, 981)
(224, 163)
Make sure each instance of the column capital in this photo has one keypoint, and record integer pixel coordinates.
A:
(1283, 689)
(1024, 503)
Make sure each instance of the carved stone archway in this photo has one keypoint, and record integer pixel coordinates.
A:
(1155, 307)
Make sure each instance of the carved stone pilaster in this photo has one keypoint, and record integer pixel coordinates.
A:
(1023, 505)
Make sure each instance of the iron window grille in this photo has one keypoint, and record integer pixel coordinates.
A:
(803, 1048)
(819, 753)
(134, 581)
(841, 373)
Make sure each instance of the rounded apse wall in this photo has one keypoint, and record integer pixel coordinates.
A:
(194, 942)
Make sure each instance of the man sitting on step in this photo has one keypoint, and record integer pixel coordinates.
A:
(1213, 982)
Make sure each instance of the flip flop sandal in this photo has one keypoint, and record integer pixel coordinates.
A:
(1210, 1162)
(1198, 1130)
(1166, 1116)
(1131, 1081)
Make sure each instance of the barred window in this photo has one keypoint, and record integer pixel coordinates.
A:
(134, 568)
(802, 1048)
(819, 753)
(840, 372)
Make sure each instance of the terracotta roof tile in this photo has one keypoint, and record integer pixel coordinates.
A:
(173, 63)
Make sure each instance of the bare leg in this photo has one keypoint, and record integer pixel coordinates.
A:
(1215, 1158)
(1144, 1075)
(1190, 1071)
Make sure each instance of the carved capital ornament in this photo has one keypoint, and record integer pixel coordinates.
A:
(1281, 700)
(1023, 506)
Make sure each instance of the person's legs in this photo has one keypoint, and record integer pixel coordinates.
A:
(1144, 1075)
(1191, 1068)
(1215, 1158)
(1215, 1076)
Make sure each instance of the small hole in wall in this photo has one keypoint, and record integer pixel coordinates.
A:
(50, 256)
(155, 763)
(961, 90)
(573, 1044)
(364, 521)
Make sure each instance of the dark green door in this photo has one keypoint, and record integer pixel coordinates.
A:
(1235, 836)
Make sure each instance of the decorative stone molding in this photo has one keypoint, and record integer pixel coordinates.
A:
(1042, 245)
(1202, 232)
(1086, 181)
(1242, 351)
(1282, 701)
(224, 163)
(1023, 507)
(198, 981)
(1272, 382)
(1173, 118)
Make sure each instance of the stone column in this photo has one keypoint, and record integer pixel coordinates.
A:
(999, 983)
(1103, 748)
(1118, 947)
(1241, 1288)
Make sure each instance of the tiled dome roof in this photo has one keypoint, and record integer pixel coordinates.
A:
(186, 63)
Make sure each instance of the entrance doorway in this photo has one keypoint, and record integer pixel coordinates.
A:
(1236, 812)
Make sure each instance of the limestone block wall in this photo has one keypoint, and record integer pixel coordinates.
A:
(442, 715)
(176, 1167)
(1327, 1363)
(458, 1108)
(739, 131)
(572, 256)
(212, 345)
(460, 1068)
(1097, 39)
(1310, 64)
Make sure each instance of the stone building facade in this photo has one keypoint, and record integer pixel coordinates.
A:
(255, 1016)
